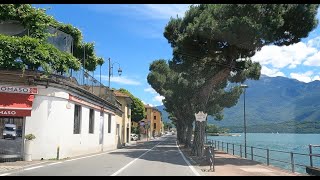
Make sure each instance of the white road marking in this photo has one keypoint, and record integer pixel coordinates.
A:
(123, 168)
(185, 159)
(5, 174)
(33, 168)
(54, 163)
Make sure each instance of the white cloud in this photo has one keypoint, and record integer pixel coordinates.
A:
(144, 11)
(158, 98)
(150, 90)
(315, 42)
(121, 80)
(271, 72)
(304, 77)
(313, 60)
(283, 56)
(316, 78)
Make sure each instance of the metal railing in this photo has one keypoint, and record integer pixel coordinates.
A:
(79, 78)
(264, 154)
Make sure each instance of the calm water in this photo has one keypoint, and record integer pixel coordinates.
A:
(296, 143)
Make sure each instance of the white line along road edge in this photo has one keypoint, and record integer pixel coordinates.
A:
(123, 168)
(186, 160)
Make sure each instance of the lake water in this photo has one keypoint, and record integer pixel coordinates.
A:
(296, 143)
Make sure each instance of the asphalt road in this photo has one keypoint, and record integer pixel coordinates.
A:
(155, 158)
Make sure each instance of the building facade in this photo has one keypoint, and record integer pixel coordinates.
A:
(66, 119)
(124, 122)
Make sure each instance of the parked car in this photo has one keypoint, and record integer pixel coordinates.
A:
(134, 137)
(10, 131)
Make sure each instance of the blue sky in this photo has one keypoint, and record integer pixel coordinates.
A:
(132, 35)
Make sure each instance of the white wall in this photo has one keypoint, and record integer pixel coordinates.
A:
(52, 123)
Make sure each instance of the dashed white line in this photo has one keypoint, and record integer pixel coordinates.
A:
(123, 168)
(54, 163)
(5, 174)
(185, 159)
(36, 167)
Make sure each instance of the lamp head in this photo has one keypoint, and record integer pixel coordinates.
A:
(119, 71)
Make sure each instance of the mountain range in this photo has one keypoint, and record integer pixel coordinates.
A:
(274, 104)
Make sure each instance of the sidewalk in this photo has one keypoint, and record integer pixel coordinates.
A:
(228, 165)
(17, 165)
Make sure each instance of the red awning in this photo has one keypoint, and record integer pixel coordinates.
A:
(18, 105)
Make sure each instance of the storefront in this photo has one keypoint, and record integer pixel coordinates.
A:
(15, 106)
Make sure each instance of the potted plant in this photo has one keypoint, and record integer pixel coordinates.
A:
(28, 146)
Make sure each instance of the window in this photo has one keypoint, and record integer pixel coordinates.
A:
(154, 125)
(77, 120)
(91, 121)
(145, 109)
(154, 117)
(109, 123)
(146, 117)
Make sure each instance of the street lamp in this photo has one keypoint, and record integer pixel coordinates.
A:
(111, 70)
(244, 119)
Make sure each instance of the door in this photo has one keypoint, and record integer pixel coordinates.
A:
(11, 138)
(128, 135)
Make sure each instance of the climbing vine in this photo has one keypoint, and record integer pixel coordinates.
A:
(33, 51)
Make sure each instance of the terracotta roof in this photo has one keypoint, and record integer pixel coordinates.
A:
(120, 94)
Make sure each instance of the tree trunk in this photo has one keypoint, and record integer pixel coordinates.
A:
(189, 135)
(181, 132)
(198, 141)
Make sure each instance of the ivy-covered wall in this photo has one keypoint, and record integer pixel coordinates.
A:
(34, 51)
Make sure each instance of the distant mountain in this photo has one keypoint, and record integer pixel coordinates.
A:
(165, 115)
(274, 101)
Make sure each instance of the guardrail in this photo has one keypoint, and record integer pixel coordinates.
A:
(236, 149)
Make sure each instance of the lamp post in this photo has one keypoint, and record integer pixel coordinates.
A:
(244, 119)
(111, 70)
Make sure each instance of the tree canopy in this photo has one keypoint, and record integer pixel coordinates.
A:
(212, 49)
(137, 107)
(33, 50)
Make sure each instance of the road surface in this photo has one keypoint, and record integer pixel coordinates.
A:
(155, 158)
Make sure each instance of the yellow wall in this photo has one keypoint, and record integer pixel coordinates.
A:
(151, 112)
(124, 122)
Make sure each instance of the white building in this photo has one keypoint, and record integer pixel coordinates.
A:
(66, 119)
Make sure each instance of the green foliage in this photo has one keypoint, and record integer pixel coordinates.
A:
(34, 54)
(135, 130)
(137, 107)
(34, 51)
(212, 46)
(167, 125)
(29, 137)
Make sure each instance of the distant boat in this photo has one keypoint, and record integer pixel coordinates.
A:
(236, 135)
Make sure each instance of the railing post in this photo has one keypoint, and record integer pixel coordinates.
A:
(222, 145)
(268, 157)
(232, 149)
(251, 153)
(228, 148)
(292, 162)
(240, 150)
(218, 145)
(310, 155)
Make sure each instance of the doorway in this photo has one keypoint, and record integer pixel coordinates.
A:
(128, 134)
(11, 138)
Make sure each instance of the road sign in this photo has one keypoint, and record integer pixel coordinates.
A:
(201, 116)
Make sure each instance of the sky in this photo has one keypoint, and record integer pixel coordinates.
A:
(132, 37)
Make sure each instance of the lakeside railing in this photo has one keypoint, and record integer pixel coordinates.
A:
(266, 155)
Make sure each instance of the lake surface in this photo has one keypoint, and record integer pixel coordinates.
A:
(296, 143)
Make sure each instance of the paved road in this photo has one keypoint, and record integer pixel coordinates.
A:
(157, 158)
